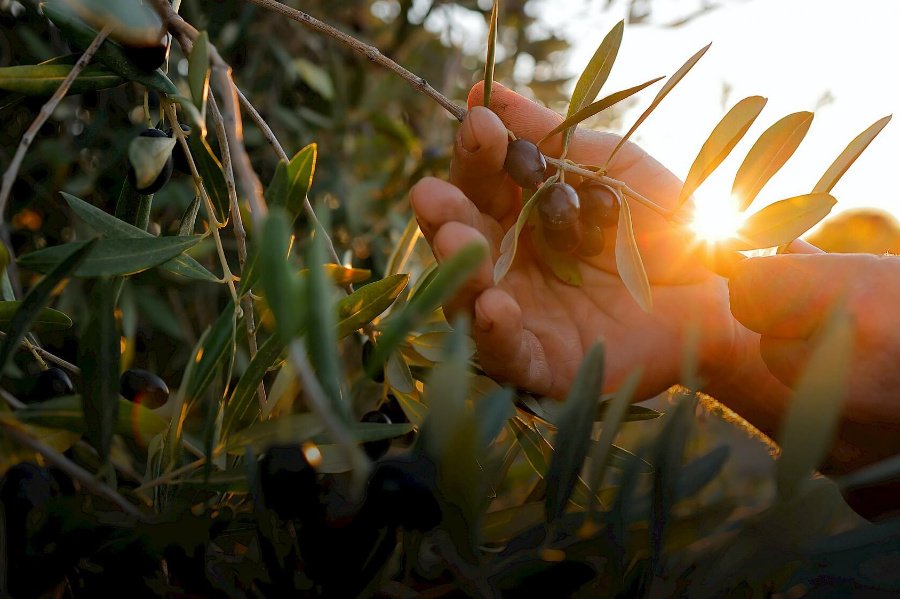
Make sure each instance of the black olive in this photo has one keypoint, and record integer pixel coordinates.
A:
(143, 387)
(376, 449)
(50, 383)
(558, 207)
(149, 58)
(599, 204)
(592, 240)
(525, 164)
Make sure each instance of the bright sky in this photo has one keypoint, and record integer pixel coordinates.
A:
(792, 52)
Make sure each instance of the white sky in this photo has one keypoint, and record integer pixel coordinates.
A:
(791, 51)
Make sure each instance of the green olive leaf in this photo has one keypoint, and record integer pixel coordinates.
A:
(368, 302)
(300, 172)
(597, 107)
(148, 157)
(491, 53)
(404, 247)
(510, 241)
(660, 95)
(628, 259)
(770, 152)
(290, 428)
(44, 79)
(815, 407)
(282, 286)
(134, 421)
(210, 169)
(98, 356)
(47, 319)
(198, 71)
(216, 350)
(135, 23)
(781, 222)
(595, 73)
(846, 158)
(398, 375)
(242, 409)
(726, 134)
(4, 259)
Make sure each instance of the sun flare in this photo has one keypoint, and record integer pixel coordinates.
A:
(715, 219)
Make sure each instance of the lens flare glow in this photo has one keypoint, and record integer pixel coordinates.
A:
(715, 219)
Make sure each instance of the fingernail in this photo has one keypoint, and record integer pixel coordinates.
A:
(483, 323)
(467, 135)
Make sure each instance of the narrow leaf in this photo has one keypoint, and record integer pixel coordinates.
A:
(112, 257)
(98, 356)
(366, 303)
(134, 421)
(46, 320)
(210, 170)
(198, 71)
(574, 433)
(492, 413)
(613, 418)
(281, 285)
(113, 228)
(38, 298)
(781, 222)
(510, 241)
(629, 262)
(44, 79)
(660, 96)
(300, 172)
(815, 407)
(597, 107)
(491, 51)
(726, 134)
(242, 408)
(216, 351)
(773, 148)
(846, 158)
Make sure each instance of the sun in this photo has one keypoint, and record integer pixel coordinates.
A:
(715, 218)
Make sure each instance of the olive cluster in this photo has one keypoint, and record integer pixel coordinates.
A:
(572, 219)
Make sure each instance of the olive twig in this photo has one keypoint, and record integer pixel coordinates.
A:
(369, 52)
(228, 277)
(36, 349)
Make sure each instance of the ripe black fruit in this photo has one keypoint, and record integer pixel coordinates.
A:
(50, 383)
(525, 164)
(143, 387)
(376, 449)
(563, 240)
(164, 175)
(368, 348)
(149, 58)
(599, 204)
(592, 240)
(558, 207)
(288, 483)
(179, 159)
(401, 493)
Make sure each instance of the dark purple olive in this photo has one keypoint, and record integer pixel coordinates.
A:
(50, 383)
(376, 372)
(149, 58)
(592, 240)
(599, 204)
(401, 492)
(392, 408)
(563, 240)
(164, 175)
(288, 483)
(179, 159)
(143, 387)
(376, 449)
(558, 207)
(525, 164)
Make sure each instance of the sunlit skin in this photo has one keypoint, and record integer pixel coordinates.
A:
(533, 330)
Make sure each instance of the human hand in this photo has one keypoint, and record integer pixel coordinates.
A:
(786, 299)
(531, 329)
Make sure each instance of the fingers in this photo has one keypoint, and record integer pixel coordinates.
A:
(785, 358)
(789, 295)
(449, 239)
(437, 202)
(477, 166)
(505, 348)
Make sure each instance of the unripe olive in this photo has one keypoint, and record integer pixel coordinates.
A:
(179, 159)
(599, 204)
(525, 164)
(164, 175)
(376, 449)
(143, 387)
(592, 239)
(558, 207)
(563, 240)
